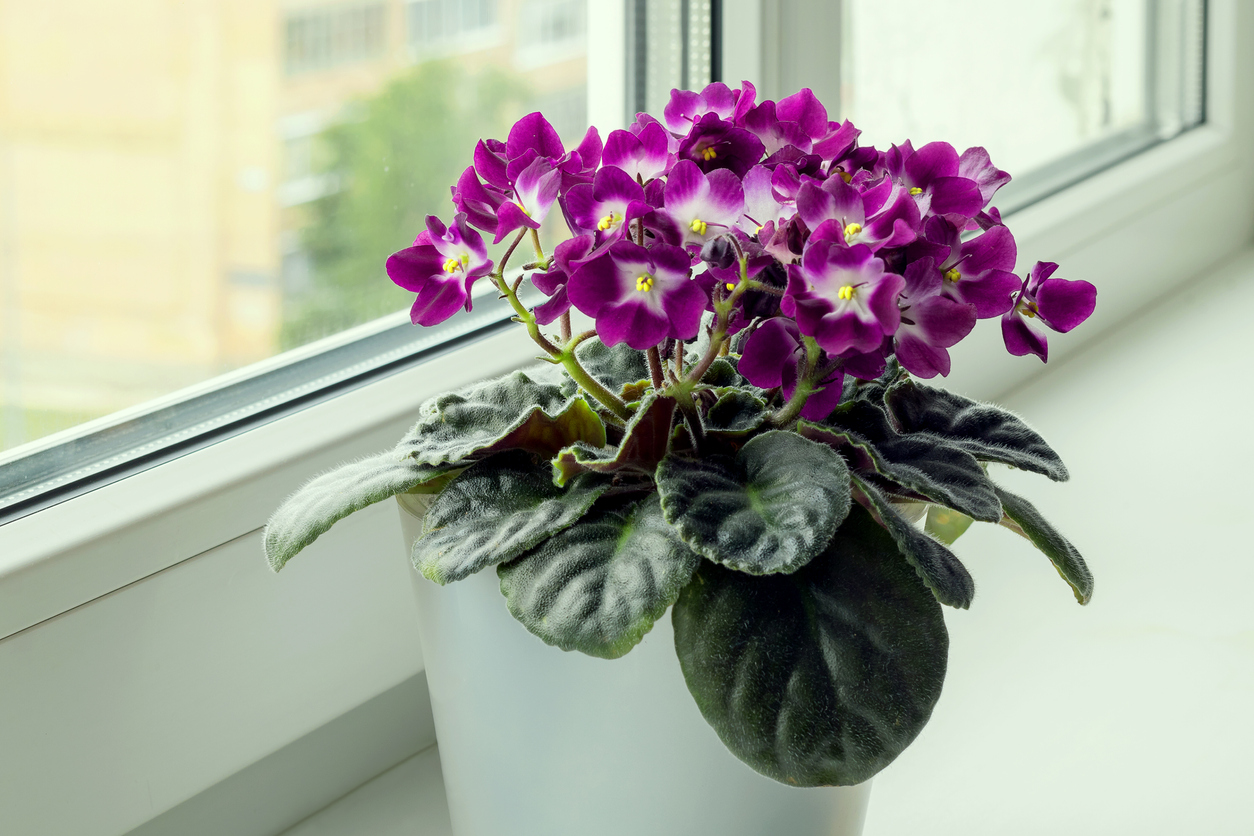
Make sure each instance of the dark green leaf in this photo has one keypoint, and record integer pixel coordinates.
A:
(820, 677)
(722, 372)
(939, 568)
(946, 524)
(512, 412)
(599, 586)
(937, 471)
(332, 496)
(613, 366)
(644, 443)
(1023, 518)
(736, 413)
(770, 509)
(987, 432)
(495, 511)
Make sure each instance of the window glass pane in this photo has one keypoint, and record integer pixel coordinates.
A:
(1045, 87)
(186, 189)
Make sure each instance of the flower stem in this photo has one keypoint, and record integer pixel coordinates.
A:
(805, 386)
(722, 316)
(655, 367)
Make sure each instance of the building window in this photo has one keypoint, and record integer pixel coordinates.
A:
(550, 31)
(439, 23)
(319, 39)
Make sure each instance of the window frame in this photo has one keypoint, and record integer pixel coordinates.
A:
(1109, 228)
(58, 557)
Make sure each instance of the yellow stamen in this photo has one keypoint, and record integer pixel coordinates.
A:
(916, 190)
(609, 221)
(1028, 309)
(731, 286)
(698, 226)
(708, 154)
(644, 282)
(952, 274)
(845, 292)
(452, 264)
(851, 231)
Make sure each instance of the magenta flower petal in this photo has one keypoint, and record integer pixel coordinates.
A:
(975, 164)
(843, 298)
(804, 108)
(478, 202)
(956, 196)
(645, 155)
(769, 349)
(510, 217)
(934, 160)
(701, 206)
(533, 133)
(1021, 338)
(490, 161)
(1063, 304)
(639, 296)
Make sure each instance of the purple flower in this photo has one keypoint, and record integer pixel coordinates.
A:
(976, 272)
(931, 176)
(567, 256)
(479, 203)
(762, 202)
(699, 206)
(440, 268)
(642, 155)
(713, 144)
(535, 189)
(842, 297)
(608, 205)
(839, 212)
(976, 165)
(771, 358)
(686, 107)
(930, 322)
(639, 296)
(1059, 304)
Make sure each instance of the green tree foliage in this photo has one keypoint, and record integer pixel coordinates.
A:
(392, 158)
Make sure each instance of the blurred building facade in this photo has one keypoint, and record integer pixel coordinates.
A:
(158, 161)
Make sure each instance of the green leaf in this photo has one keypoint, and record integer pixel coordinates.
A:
(495, 511)
(735, 414)
(1023, 518)
(987, 432)
(644, 443)
(325, 500)
(770, 509)
(613, 366)
(937, 566)
(946, 524)
(722, 372)
(821, 677)
(599, 586)
(511, 412)
(943, 474)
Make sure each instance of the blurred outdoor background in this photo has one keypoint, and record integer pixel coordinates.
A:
(191, 186)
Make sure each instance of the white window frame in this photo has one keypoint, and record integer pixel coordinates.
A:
(1138, 230)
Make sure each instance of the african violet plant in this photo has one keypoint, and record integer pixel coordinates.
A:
(743, 435)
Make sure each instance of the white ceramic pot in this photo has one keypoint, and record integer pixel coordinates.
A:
(535, 741)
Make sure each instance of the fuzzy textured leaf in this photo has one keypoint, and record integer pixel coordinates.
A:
(937, 566)
(327, 499)
(735, 414)
(821, 677)
(1023, 518)
(988, 432)
(772, 508)
(645, 441)
(495, 511)
(613, 366)
(512, 412)
(937, 471)
(599, 586)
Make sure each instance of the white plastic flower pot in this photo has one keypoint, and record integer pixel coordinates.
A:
(535, 741)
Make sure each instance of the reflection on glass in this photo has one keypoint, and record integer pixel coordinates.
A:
(189, 188)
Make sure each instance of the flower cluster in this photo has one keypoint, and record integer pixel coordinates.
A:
(810, 255)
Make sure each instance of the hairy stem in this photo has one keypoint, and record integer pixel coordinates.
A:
(805, 386)
(655, 367)
(722, 316)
